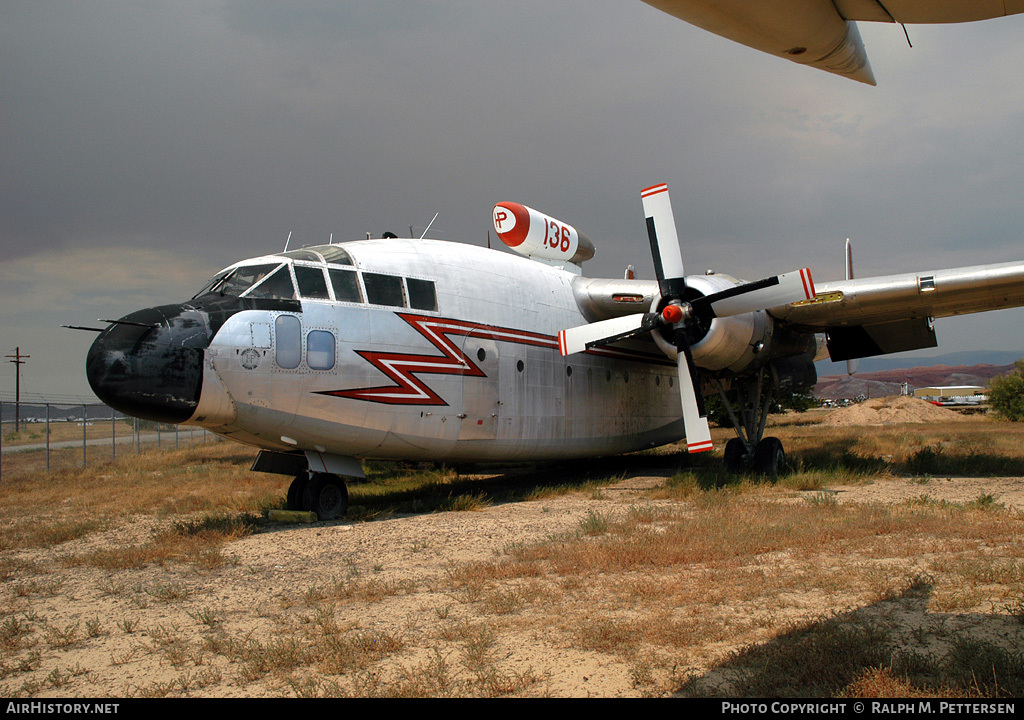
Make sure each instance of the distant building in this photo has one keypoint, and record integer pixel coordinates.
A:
(953, 395)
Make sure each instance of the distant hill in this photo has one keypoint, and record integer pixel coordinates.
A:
(883, 383)
(906, 360)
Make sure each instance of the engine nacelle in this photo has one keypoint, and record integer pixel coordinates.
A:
(537, 235)
(732, 343)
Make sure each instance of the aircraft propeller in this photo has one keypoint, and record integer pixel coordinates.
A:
(675, 316)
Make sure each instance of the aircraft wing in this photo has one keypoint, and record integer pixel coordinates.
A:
(880, 315)
(823, 33)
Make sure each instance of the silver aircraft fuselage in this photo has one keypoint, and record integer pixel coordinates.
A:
(478, 376)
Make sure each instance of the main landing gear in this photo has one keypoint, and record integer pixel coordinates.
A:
(322, 493)
(748, 409)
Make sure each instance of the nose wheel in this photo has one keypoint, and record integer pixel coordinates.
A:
(322, 493)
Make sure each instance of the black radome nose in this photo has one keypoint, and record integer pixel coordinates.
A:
(149, 364)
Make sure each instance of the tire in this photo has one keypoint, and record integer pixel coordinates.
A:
(326, 495)
(734, 452)
(770, 458)
(296, 491)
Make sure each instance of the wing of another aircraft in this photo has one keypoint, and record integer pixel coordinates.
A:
(823, 33)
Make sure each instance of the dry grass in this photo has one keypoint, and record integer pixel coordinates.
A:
(703, 585)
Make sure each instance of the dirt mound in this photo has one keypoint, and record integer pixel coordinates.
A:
(892, 411)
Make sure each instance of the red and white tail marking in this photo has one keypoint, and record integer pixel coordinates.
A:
(805, 276)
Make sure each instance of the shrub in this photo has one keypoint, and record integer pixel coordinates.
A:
(1006, 394)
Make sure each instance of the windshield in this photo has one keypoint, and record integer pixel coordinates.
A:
(237, 280)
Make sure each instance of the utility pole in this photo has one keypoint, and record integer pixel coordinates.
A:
(18, 361)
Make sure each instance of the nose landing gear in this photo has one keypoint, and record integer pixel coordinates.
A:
(321, 493)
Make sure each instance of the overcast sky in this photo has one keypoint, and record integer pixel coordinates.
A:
(143, 146)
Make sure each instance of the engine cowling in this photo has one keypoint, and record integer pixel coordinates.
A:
(733, 343)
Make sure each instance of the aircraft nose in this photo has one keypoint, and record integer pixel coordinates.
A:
(149, 364)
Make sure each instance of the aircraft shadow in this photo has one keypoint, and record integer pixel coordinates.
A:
(508, 483)
(917, 651)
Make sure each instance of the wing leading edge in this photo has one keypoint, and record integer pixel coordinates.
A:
(879, 315)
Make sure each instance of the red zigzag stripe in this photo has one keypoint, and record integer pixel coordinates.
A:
(401, 368)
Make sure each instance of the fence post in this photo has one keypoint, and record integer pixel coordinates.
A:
(113, 434)
(47, 437)
(85, 424)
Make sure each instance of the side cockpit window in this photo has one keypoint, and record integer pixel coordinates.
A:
(346, 285)
(422, 295)
(311, 282)
(384, 289)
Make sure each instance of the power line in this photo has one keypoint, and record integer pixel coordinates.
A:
(18, 362)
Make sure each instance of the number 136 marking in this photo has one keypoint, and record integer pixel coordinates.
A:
(557, 236)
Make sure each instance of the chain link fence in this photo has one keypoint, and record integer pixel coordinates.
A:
(51, 435)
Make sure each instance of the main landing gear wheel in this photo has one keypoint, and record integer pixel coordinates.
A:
(326, 495)
(769, 458)
(748, 410)
(735, 456)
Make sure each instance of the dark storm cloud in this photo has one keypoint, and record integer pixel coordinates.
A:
(206, 131)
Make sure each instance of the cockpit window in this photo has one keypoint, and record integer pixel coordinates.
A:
(384, 289)
(308, 255)
(346, 285)
(208, 287)
(240, 279)
(422, 295)
(334, 254)
(277, 286)
(311, 282)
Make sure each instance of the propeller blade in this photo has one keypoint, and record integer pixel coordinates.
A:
(698, 434)
(750, 297)
(661, 231)
(578, 339)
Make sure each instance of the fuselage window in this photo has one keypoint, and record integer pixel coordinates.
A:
(277, 286)
(346, 285)
(288, 332)
(311, 282)
(422, 295)
(384, 290)
(320, 350)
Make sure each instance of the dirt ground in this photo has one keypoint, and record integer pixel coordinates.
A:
(98, 633)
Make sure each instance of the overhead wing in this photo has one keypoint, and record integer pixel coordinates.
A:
(823, 33)
(879, 315)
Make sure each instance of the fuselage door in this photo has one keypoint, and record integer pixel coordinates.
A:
(480, 400)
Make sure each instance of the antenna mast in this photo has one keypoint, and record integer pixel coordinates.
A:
(428, 226)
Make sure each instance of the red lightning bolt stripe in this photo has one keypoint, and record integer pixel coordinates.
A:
(402, 368)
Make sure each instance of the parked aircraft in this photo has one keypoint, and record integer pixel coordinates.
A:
(419, 349)
(823, 33)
